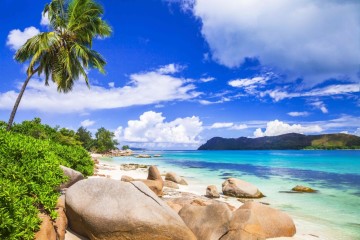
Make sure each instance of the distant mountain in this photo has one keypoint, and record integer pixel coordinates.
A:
(288, 141)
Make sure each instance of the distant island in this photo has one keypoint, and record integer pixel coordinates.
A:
(290, 141)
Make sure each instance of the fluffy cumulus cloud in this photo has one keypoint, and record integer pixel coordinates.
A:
(301, 38)
(151, 128)
(16, 38)
(274, 128)
(87, 123)
(144, 88)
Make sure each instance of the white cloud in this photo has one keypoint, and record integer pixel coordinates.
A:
(357, 132)
(207, 102)
(331, 90)
(45, 19)
(17, 38)
(87, 123)
(320, 105)
(143, 89)
(245, 82)
(239, 126)
(221, 125)
(298, 114)
(111, 84)
(170, 69)
(207, 79)
(302, 38)
(274, 128)
(228, 125)
(153, 129)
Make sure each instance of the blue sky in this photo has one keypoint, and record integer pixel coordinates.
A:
(182, 71)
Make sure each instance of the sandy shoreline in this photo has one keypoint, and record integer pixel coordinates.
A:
(106, 168)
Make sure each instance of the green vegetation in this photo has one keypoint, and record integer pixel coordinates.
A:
(104, 140)
(125, 147)
(85, 138)
(82, 137)
(285, 142)
(65, 53)
(30, 156)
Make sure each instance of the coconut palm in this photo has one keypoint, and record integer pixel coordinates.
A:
(64, 54)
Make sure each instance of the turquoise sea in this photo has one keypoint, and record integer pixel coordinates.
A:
(332, 213)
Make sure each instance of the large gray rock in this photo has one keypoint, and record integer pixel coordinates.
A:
(257, 221)
(107, 209)
(207, 222)
(73, 175)
(241, 189)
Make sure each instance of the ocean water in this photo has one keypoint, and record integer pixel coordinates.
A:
(332, 213)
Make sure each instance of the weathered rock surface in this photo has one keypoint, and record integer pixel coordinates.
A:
(170, 184)
(73, 176)
(177, 202)
(108, 209)
(207, 222)
(154, 174)
(171, 176)
(212, 192)
(125, 178)
(155, 185)
(241, 189)
(300, 188)
(61, 222)
(257, 221)
(47, 231)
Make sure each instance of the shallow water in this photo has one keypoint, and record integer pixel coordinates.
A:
(332, 213)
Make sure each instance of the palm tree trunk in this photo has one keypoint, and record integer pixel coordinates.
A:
(17, 102)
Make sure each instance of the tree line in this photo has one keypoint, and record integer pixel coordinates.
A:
(102, 142)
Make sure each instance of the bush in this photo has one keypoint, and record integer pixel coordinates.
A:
(29, 178)
(75, 157)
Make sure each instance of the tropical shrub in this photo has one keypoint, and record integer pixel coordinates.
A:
(29, 178)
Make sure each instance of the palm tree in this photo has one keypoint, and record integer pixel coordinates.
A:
(65, 53)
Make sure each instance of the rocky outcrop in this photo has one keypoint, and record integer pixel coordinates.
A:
(257, 221)
(143, 156)
(125, 178)
(61, 222)
(132, 166)
(53, 230)
(241, 189)
(171, 176)
(47, 231)
(108, 209)
(171, 184)
(212, 192)
(154, 174)
(73, 176)
(305, 189)
(207, 222)
(119, 153)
